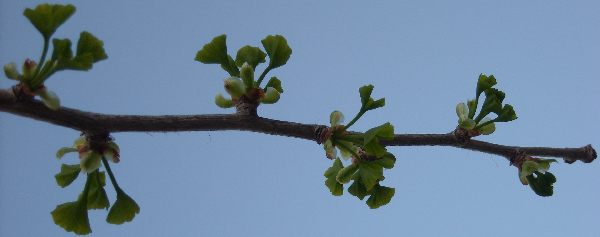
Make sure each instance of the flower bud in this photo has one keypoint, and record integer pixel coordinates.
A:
(11, 71)
(222, 101)
(271, 96)
(50, 99)
(235, 87)
(247, 75)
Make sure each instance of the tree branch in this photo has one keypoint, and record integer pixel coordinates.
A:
(11, 102)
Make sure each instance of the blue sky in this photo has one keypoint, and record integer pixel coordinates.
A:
(423, 57)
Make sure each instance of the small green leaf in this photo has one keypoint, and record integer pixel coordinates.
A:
(252, 55)
(278, 50)
(89, 44)
(62, 151)
(90, 162)
(50, 99)
(216, 52)
(373, 148)
(97, 198)
(542, 184)
(472, 104)
(62, 51)
(123, 210)
(375, 104)
(365, 94)
(370, 173)
(275, 83)
(358, 188)
(222, 101)
(387, 161)
(73, 217)
(334, 186)
(484, 83)
(384, 131)
(47, 18)
(507, 114)
(68, 173)
(380, 196)
(345, 175)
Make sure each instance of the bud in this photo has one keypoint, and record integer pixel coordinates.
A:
(336, 118)
(29, 68)
(50, 99)
(222, 101)
(11, 71)
(462, 111)
(235, 87)
(247, 74)
(271, 96)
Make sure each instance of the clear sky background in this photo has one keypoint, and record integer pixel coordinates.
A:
(424, 57)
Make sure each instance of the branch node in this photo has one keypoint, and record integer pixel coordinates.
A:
(461, 135)
(244, 106)
(322, 134)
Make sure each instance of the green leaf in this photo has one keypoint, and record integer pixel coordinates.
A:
(275, 83)
(62, 51)
(387, 161)
(384, 131)
(472, 104)
(345, 175)
(252, 55)
(216, 52)
(542, 184)
(373, 148)
(89, 50)
(375, 104)
(72, 216)
(97, 198)
(47, 18)
(365, 94)
(68, 173)
(123, 210)
(380, 196)
(230, 67)
(334, 186)
(370, 173)
(278, 50)
(88, 44)
(484, 83)
(507, 114)
(358, 188)
(62, 151)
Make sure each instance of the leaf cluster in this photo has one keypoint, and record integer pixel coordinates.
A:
(276, 48)
(491, 104)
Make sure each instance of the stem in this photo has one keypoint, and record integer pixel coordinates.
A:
(110, 174)
(360, 114)
(262, 76)
(35, 82)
